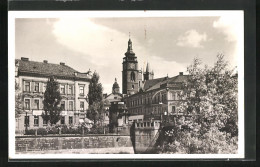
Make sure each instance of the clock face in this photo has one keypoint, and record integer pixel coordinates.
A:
(131, 66)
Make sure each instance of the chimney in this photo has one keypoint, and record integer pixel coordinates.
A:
(180, 73)
(24, 59)
(61, 63)
(45, 61)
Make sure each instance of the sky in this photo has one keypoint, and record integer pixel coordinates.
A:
(169, 44)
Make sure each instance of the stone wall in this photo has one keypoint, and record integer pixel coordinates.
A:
(24, 144)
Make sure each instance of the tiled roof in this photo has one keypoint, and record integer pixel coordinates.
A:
(48, 69)
(149, 83)
(173, 80)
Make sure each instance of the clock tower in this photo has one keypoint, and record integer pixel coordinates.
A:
(131, 79)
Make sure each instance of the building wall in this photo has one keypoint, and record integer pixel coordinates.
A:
(154, 102)
(75, 97)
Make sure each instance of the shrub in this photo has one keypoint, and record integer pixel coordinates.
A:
(53, 130)
(41, 131)
(30, 132)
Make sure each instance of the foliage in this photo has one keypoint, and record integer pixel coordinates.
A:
(95, 90)
(211, 102)
(95, 129)
(96, 112)
(18, 101)
(51, 102)
(30, 132)
(52, 130)
(42, 131)
(95, 99)
(65, 129)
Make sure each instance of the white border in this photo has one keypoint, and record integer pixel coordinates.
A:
(76, 14)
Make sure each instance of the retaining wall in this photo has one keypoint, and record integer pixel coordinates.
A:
(24, 143)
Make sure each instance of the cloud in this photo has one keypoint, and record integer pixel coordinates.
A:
(103, 47)
(191, 38)
(230, 25)
(162, 67)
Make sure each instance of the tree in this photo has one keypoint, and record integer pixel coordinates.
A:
(18, 101)
(210, 105)
(95, 99)
(51, 102)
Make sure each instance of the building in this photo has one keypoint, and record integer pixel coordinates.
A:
(32, 78)
(159, 96)
(112, 98)
(131, 75)
(115, 95)
(147, 96)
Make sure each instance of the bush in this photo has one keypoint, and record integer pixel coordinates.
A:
(41, 131)
(53, 130)
(30, 132)
(95, 130)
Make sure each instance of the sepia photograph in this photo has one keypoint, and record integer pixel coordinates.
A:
(139, 84)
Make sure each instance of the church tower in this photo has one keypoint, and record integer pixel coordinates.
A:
(115, 88)
(147, 74)
(130, 74)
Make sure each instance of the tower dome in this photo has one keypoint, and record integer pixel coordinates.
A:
(115, 88)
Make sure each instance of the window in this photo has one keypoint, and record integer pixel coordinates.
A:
(62, 105)
(44, 87)
(70, 105)
(70, 89)
(26, 120)
(70, 120)
(36, 87)
(115, 97)
(132, 76)
(62, 89)
(81, 90)
(36, 120)
(62, 120)
(44, 122)
(27, 86)
(173, 109)
(27, 104)
(133, 86)
(82, 105)
(36, 104)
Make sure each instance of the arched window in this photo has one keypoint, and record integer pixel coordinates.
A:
(132, 76)
(133, 86)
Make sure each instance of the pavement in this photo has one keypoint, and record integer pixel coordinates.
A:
(114, 150)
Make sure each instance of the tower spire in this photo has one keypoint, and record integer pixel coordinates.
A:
(129, 49)
(147, 67)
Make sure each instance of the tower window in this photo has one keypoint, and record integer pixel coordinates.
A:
(133, 86)
(132, 76)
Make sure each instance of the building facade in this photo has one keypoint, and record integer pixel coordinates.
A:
(32, 78)
(159, 97)
(147, 96)
(131, 75)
